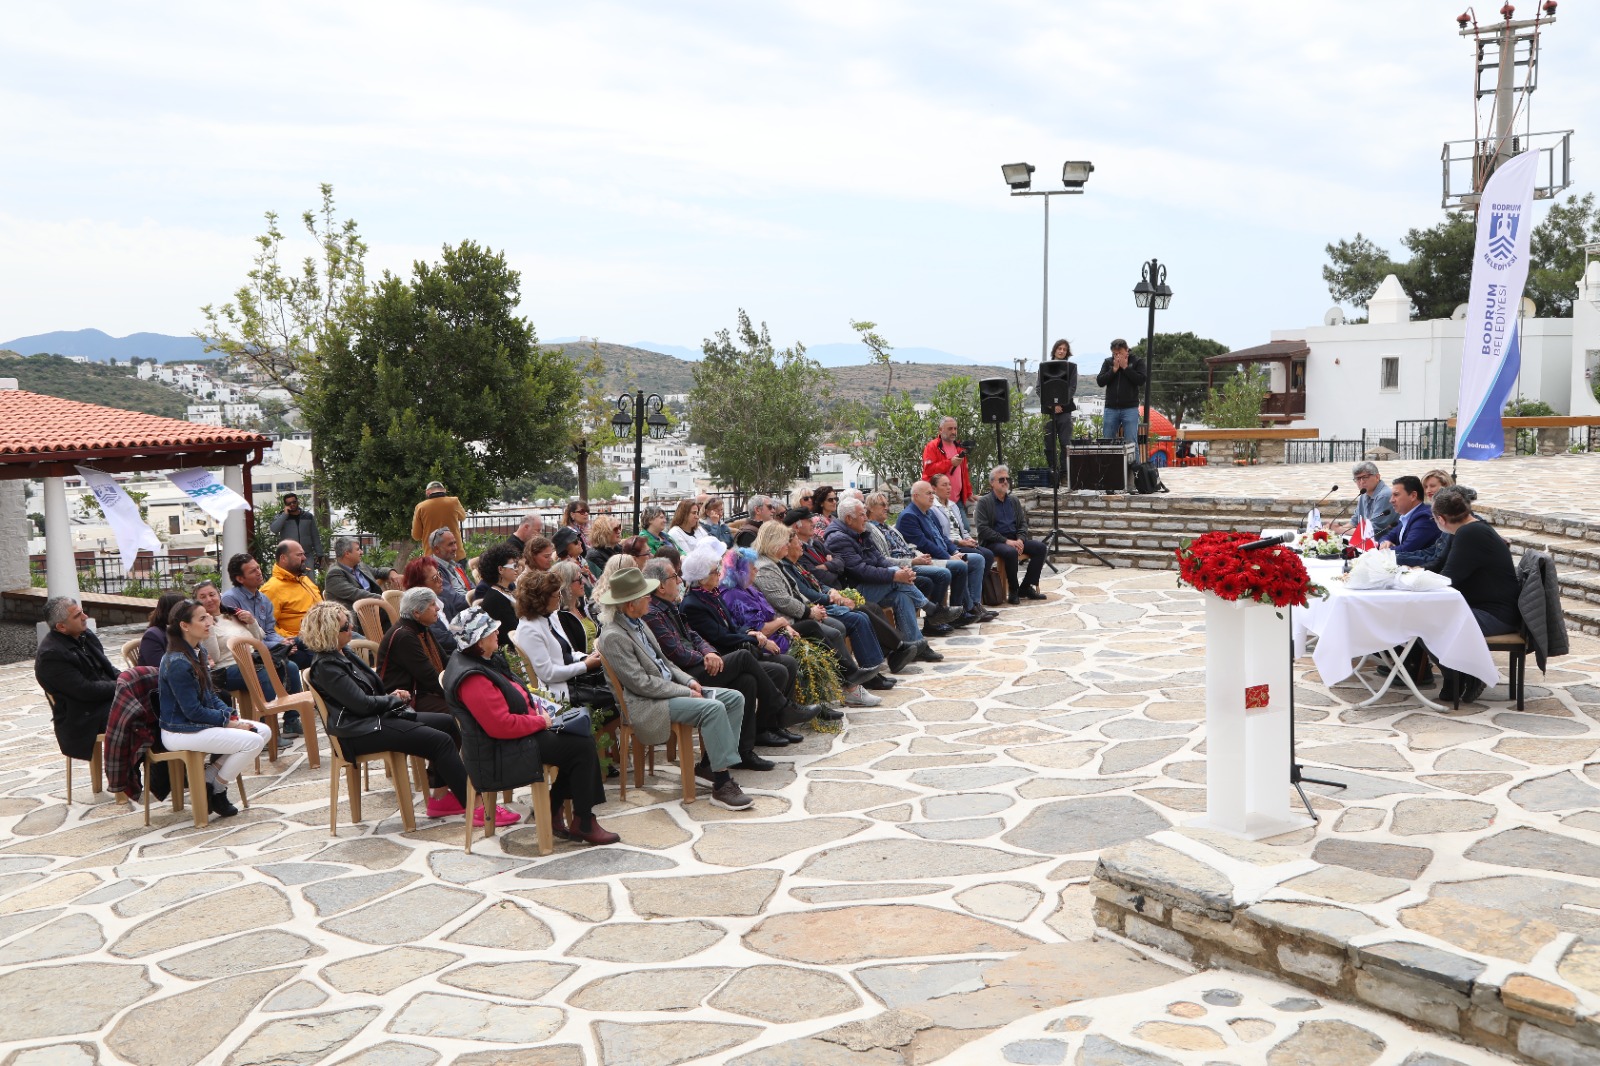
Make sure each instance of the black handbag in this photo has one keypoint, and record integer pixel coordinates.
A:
(591, 690)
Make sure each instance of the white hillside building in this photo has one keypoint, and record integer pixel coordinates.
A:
(1365, 376)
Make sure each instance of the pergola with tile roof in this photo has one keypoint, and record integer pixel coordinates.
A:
(48, 437)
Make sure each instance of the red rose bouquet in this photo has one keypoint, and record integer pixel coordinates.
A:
(1212, 562)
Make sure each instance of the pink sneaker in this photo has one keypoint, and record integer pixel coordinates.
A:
(502, 817)
(445, 806)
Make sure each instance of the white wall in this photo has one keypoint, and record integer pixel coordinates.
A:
(1344, 393)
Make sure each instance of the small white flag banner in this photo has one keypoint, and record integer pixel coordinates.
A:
(209, 494)
(122, 515)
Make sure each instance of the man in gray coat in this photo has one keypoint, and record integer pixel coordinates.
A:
(657, 693)
(349, 579)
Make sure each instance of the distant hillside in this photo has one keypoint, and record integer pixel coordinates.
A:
(637, 368)
(94, 344)
(110, 386)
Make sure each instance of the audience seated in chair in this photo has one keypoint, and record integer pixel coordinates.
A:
(194, 717)
(421, 573)
(508, 737)
(349, 579)
(879, 581)
(409, 659)
(659, 693)
(72, 668)
(1002, 524)
(367, 719)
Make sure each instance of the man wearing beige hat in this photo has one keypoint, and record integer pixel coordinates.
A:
(658, 693)
(438, 511)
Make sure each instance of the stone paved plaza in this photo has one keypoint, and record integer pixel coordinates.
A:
(915, 889)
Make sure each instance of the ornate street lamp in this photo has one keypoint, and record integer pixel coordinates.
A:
(1154, 293)
(635, 413)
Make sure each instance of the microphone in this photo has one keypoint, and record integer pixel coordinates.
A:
(1325, 496)
(1267, 542)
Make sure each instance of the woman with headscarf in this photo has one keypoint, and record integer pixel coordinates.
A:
(507, 739)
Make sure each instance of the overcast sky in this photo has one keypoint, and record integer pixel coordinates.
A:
(650, 168)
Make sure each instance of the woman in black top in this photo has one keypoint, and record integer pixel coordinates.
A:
(1479, 566)
(500, 564)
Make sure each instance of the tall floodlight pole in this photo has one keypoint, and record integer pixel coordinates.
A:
(1019, 176)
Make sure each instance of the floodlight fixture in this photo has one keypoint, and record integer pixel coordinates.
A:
(1075, 173)
(1018, 175)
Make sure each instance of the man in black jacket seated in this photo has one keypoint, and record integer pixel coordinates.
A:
(739, 669)
(73, 670)
(349, 579)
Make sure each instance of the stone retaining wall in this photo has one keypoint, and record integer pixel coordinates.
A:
(1157, 897)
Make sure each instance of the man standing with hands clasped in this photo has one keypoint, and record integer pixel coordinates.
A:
(944, 456)
(1121, 376)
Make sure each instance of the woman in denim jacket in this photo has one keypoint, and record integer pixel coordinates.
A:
(194, 717)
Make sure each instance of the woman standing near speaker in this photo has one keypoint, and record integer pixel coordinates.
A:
(1058, 384)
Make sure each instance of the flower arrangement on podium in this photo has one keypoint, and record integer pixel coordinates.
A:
(1321, 544)
(1212, 562)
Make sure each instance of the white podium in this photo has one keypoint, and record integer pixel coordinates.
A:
(1248, 680)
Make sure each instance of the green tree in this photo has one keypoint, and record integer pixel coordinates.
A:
(1556, 254)
(438, 379)
(281, 320)
(901, 432)
(1236, 403)
(1438, 273)
(761, 412)
(1355, 270)
(1178, 382)
(879, 351)
(1438, 276)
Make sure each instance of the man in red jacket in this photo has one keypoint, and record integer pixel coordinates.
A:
(944, 456)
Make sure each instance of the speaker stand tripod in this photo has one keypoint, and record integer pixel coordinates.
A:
(1053, 539)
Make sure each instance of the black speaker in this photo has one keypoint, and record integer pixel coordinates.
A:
(994, 400)
(1055, 384)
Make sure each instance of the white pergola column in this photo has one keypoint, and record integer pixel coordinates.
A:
(60, 567)
(234, 539)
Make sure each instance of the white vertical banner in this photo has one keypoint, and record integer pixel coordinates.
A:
(1490, 354)
(209, 494)
(122, 515)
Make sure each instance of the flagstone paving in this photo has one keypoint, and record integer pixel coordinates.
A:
(915, 889)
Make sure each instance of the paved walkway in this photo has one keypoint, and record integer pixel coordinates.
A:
(1567, 484)
(898, 894)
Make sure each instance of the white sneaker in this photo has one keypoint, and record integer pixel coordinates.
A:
(860, 697)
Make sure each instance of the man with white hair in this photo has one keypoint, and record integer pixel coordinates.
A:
(1003, 529)
(532, 525)
(878, 580)
(933, 581)
(943, 455)
(1375, 504)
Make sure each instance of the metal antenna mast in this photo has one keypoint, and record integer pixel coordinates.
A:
(1503, 51)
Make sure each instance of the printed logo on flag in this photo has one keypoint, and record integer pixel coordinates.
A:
(1501, 250)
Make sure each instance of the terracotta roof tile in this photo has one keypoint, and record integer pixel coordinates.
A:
(33, 426)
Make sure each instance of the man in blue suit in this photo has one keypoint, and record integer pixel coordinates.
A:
(1416, 529)
(918, 525)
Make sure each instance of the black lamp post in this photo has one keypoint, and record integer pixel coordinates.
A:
(1152, 292)
(635, 412)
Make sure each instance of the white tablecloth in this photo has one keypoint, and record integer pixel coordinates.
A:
(1350, 624)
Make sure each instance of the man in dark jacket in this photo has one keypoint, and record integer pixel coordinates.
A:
(299, 526)
(349, 579)
(1121, 376)
(532, 525)
(74, 672)
(739, 669)
(876, 578)
(1416, 530)
(1003, 529)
